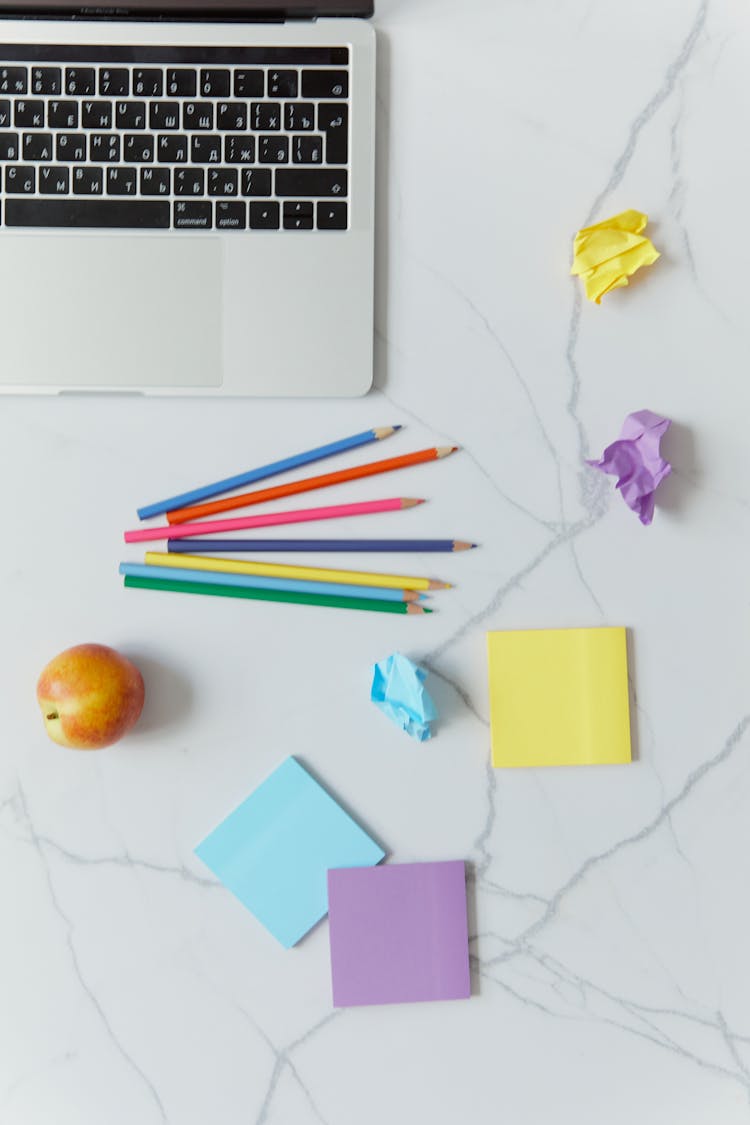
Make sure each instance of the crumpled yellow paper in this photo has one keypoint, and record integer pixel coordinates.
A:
(608, 253)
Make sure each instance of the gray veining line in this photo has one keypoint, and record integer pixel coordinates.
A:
(284, 1060)
(521, 944)
(126, 860)
(130, 1061)
(644, 1013)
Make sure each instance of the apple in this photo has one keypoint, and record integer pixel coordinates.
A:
(90, 696)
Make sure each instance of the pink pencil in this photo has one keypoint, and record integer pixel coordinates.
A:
(302, 515)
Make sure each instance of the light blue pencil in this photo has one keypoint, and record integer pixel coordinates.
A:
(265, 471)
(293, 585)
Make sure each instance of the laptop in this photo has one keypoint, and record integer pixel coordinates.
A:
(186, 197)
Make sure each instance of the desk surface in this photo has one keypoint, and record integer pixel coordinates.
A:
(609, 906)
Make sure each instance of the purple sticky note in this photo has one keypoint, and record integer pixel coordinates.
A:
(636, 461)
(398, 933)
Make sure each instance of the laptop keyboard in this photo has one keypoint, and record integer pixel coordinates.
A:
(231, 139)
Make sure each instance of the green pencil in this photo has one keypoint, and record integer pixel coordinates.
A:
(334, 601)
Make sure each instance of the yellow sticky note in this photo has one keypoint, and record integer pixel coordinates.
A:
(607, 254)
(559, 697)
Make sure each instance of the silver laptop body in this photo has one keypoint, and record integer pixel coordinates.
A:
(186, 207)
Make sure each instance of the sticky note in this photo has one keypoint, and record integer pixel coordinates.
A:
(399, 933)
(606, 254)
(559, 697)
(274, 851)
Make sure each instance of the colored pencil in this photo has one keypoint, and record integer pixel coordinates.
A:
(295, 585)
(275, 596)
(190, 546)
(284, 570)
(195, 495)
(303, 515)
(309, 484)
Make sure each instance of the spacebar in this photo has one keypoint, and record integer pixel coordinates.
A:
(127, 213)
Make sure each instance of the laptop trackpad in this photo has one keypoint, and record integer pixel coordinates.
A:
(98, 311)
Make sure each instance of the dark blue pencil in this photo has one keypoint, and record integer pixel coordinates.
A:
(203, 546)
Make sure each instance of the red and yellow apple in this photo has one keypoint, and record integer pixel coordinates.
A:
(90, 696)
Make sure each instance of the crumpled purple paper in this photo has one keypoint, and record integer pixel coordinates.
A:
(636, 462)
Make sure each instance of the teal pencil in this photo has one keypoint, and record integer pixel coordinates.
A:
(329, 600)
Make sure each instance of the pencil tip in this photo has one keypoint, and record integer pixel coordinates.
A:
(445, 450)
(394, 428)
(410, 502)
(412, 608)
(462, 545)
(435, 585)
(381, 432)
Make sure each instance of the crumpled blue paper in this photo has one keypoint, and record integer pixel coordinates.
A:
(398, 690)
(636, 461)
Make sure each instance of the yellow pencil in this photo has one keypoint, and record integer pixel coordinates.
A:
(284, 570)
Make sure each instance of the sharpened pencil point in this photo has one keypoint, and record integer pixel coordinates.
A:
(445, 450)
(410, 502)
(461, 545)
(411, 608)
(435, 585)
(381, 432)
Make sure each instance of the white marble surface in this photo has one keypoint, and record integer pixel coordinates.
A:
(609, 907)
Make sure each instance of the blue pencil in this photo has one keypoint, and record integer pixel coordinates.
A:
(253, 475)
(211, 546)
(291, 585)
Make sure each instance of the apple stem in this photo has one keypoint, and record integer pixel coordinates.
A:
(53, 715)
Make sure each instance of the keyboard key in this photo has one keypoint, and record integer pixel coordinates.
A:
(197, 116)
(195, 215)
(215, 83)
(205, 150)
(104, 148)
(172, 149)
(230, 216)
(54, 180)
(130, 115)
(122, 181)
(70, 147)
(332, 216)
(155, 181)
(46, 80)
(265, 115)
(96, 115)
(222, 181)
(182, 83)
(273, 150)
(333, 120)
(239, 149)
(189, 181)
(114, 82)
(325, 83)
(310, 182)
(148, 83)
(80, 80)
(88, 181)
(298, 210)
(282, 83)
(263, 216)
(138, 149)
(62, 115)
(9, 149)
(13, 80)
(299, 117)
(248, 83)
(256, 181)
(307, 150)
(37, 146)
(4, 114)
(299, 222)
(164, 115)
(231, 116)
(92, 213)
(29, 115)
(19, 180)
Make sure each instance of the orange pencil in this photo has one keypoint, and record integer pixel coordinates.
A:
(197, 511)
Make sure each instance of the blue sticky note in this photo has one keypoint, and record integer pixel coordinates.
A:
(274, 851)
(398, 690)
